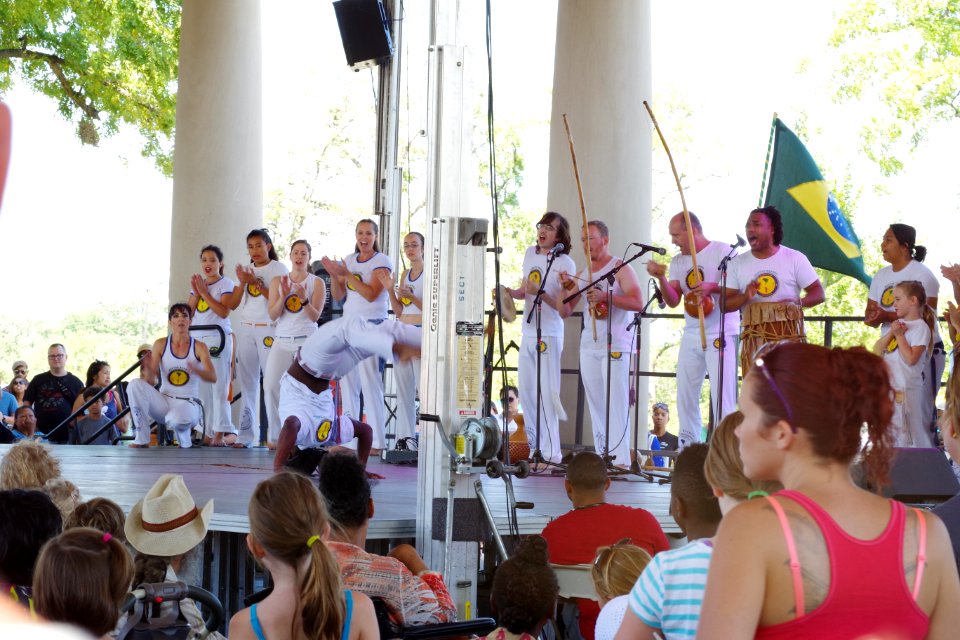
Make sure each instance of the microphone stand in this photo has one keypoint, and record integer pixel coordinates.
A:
(610, 277)
(722, 356)
(537, 456)
(637, 326)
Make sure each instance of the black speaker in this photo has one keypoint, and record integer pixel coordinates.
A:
(365, 31)
(921, 476)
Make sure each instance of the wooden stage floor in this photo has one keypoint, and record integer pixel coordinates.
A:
(228, 476)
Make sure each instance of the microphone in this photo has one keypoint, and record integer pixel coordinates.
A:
(739, 243)
(658, 295)
(557, 248)
(647, 247)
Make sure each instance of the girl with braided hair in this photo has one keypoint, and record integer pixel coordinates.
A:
(825, 558)
(288, 526)
(524, 594)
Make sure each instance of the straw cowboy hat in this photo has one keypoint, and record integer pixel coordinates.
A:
(167, 522)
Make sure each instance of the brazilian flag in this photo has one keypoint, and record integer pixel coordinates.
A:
(812, 220)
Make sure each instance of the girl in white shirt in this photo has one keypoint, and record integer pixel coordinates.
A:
(906, 349)
(212, 297)
(296, 302)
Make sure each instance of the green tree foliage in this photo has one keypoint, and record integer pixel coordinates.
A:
(904, 54)
(104, 62)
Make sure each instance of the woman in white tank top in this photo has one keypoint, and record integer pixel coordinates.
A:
(407, 305)
(296, 302)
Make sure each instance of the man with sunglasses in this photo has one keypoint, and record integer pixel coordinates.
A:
(52, 393)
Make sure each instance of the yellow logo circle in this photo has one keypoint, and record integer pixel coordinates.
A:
(691, 282)
(323, 431)
(767, 284)
(253, 289)
(615, 355)
(202, 305)
(892, 346)
(886, 299)
(535, 277)
(716, 343)
(178, 377)
(405, 301)
(542, 346)
(268, 342)
(358, 277)
(293, 304)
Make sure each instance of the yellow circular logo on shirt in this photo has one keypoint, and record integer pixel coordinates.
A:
(202, 305)
(323, 431)
(542, 346)
(535, 277)
(767, 284)
(615, 355)
(356, 276)
(268, 342)
(886, 298)
(255, 289)
(178, 377)
(716, 343)
(691, 281)
(293, 304)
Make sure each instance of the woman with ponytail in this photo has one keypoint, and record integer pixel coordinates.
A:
(900, 249)
(82, 578)
(825, 558)
(288, 526)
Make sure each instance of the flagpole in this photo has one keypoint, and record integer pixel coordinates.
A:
(766, 163)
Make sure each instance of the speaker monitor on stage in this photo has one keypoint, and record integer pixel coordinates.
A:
(921, 476)
(365, 32)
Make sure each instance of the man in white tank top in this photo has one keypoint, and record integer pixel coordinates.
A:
(309, 417)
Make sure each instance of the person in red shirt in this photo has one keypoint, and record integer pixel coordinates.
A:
(574, 537)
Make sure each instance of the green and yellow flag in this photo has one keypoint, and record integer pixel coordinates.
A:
(812, 220)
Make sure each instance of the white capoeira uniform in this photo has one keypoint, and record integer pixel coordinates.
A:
(332, 352)
(910, 424)
(593, 372)
(254, 339)
(881, 292)
(366, 375)
(551, 330)
(407, 374)
(293, 328)
(215, 395)
(693, 363)
(175, 405)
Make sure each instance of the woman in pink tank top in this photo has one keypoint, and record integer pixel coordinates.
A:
(824, 558)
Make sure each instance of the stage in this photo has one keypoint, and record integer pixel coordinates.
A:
(228, 476)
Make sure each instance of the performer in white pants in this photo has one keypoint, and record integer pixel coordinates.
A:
(552, 231)
(211, 299)
(627, 298)
(693, 363)
(407, 305)
(182, 363)
(306, 404)
(296, 302)
(356, 279)
(255, 333)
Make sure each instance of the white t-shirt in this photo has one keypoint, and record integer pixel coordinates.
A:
(339, 345)
(206, 315)
(619, 318)
(535, 265)
(708, 262)
(782, 277)
(903, 375)
(176, 379)
(253, 307)
(294, 321)
(356, 304)
(881, 288)
(410, 309)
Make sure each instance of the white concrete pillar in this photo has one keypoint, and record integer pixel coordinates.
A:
(601, 78)
(217, 168)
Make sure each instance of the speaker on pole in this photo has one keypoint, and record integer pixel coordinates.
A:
(365, 32)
